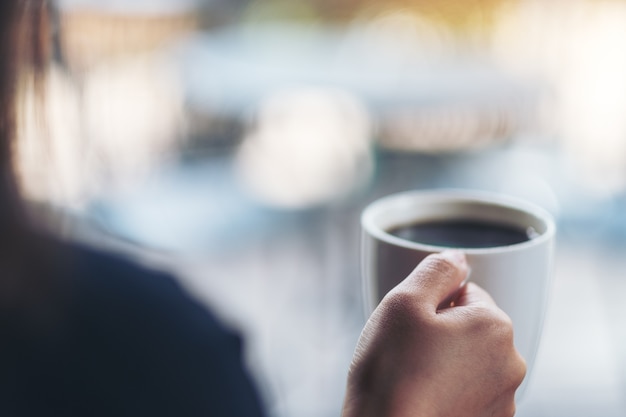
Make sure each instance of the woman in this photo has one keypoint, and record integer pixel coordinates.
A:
(84, 333)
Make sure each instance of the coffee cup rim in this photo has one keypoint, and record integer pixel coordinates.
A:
(370, 213)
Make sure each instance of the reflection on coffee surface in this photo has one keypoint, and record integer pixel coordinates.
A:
(463, 233)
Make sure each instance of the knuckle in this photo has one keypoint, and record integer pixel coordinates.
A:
(438, 265)
(506, 330)
(515, 371)
(501, 320)
(521, 369)
(399, 298)
(398, 302)
(501, 328)
(402, 305)
(492, 324)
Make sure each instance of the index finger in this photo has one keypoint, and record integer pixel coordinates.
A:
(474, 294)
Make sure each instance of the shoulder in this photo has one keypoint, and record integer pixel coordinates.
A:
(116, 288)
(137, 324)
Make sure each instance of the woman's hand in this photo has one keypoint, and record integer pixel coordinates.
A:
(415, 359)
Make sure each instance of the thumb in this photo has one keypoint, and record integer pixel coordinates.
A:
(437, 277)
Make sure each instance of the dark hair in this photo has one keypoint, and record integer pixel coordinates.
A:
(22, 51)
(23, 256)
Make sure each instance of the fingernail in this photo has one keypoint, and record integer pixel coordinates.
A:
(455, 256)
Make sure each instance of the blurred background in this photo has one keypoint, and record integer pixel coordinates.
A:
(237, 141)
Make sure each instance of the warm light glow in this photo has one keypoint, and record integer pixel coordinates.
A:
(49, 150)
(133, 114)
(575, 47)
(451, 126)
(400, 39)
(438, 97)
(308, 146)
(109, 130)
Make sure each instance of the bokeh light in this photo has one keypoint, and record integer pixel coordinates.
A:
(572, 48)
(308, 146)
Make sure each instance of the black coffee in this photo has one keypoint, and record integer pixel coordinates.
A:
(463, 233)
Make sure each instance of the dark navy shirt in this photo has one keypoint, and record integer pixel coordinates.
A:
(128, 342)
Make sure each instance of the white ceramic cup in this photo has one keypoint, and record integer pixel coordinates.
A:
(517, 276)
